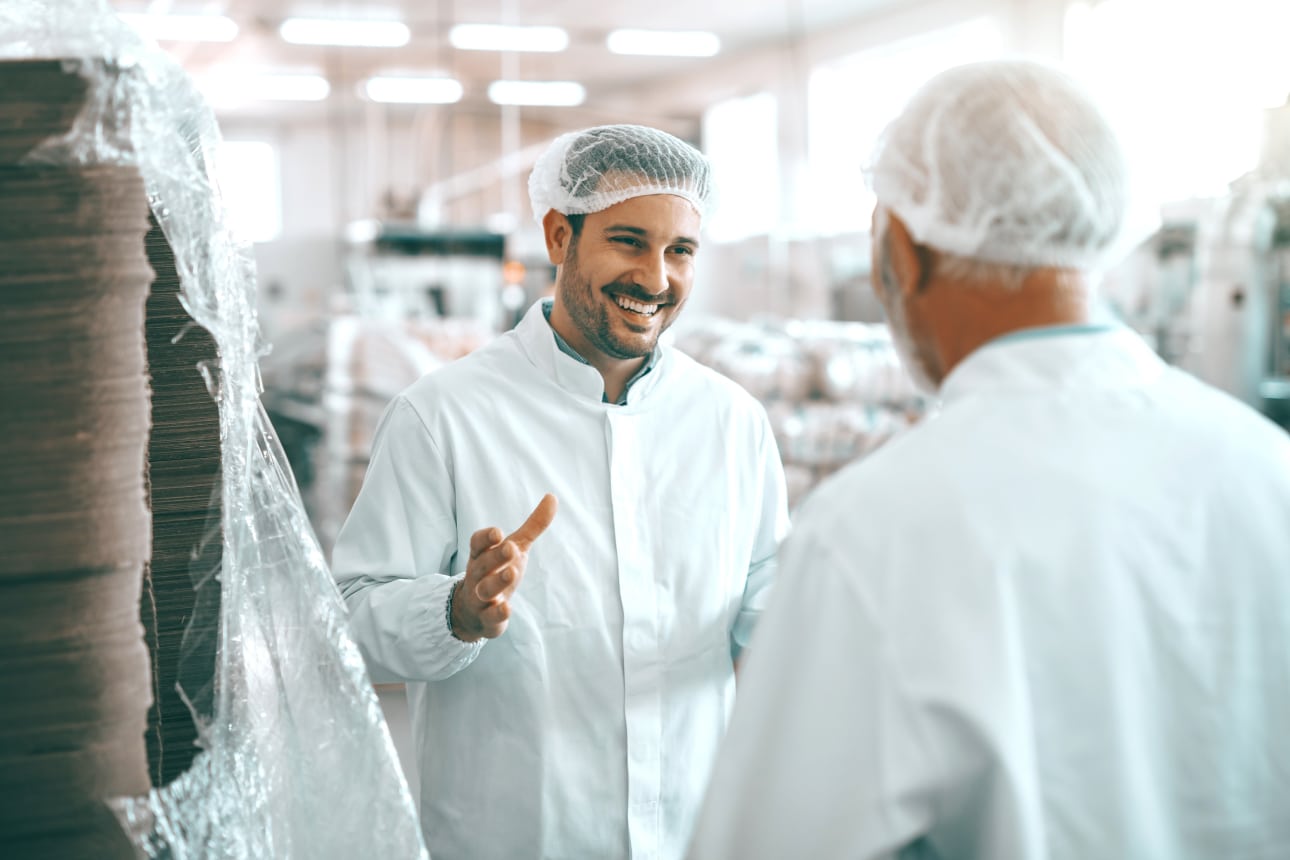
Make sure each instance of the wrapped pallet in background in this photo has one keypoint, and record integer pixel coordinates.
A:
(834, 391)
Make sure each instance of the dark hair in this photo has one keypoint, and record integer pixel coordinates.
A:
(575, 223)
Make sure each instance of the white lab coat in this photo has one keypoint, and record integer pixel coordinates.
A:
(1052, 622)
(588, 728)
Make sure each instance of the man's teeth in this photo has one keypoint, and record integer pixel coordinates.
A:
(638, 307)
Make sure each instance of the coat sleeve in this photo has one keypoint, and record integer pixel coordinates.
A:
(772, 526)
(393, 558)
(824, 754)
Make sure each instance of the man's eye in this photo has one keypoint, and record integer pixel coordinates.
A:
(684, 249)
(627, 240)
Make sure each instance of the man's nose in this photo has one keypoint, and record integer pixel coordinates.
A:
(654, 274)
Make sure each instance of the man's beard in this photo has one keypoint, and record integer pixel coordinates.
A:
(591, 317)
(899, 328)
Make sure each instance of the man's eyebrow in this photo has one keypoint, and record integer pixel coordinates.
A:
(626, 228)
(641, 232)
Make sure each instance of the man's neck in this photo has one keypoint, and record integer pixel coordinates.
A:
(615, 372)
(967, 316)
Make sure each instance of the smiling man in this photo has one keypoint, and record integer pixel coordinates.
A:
(570, 683)
(625, 273)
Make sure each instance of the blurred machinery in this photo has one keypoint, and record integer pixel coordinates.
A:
(834, 391)
(398, 271)
(1241, 310)
(1211, 290)
(413, 300)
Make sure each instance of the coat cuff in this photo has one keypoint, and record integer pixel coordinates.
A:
(449, 653)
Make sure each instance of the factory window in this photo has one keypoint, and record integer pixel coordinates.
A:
(249, 182)
(850, 100)
(1186, 83)
(740, 139)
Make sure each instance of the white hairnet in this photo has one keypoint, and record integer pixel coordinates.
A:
(1007, 162)
(590, 170)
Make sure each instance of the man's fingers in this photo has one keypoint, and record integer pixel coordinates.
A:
(496, 565)
(537, 523)
(491, 559)
(483, 539)
(495, 584)
(494, 618)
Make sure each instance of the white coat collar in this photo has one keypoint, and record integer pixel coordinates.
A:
(1109, 357)
(537, 341)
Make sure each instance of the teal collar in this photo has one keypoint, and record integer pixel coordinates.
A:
(1039, 332)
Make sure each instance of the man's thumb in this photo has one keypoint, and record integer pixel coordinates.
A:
(537, 523)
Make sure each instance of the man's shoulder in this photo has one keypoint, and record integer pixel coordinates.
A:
(1209, 407)
(468, 372)
(913, 478)
(1231, 444)
(888, 473)
(700, 380)
(470, 382)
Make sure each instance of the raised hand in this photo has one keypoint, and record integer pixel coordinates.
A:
(481, 605)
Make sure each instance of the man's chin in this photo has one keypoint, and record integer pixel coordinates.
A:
(635, 340)
(622, 352)
(914, 368)
(627, 349)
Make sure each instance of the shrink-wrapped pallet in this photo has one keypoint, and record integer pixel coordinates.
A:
(286, 723)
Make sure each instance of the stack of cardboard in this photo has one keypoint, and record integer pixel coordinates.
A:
(74, 524)
(180, 602)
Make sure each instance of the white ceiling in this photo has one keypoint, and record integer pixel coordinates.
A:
(742, 25)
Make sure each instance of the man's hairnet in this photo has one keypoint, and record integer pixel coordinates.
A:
(590, 170)
(1006, 162)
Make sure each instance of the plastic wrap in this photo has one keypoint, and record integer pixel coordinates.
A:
(297, 760)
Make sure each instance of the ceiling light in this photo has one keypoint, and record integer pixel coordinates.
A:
(224, 90)
(183, 28)
(664, 43)
(410, 90)
(502, 222)
(495, 37)
(547, 93)
(362, 231)
(350, 33)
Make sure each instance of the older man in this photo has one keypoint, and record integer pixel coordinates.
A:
(569, 688)
(1052, 622)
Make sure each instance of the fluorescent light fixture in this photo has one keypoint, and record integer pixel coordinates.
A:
(350, 33)
(496, 37)
(183, 28)
(413, 90)
(291, 88)
(239, 88)
(548, 93)
(664, 43)
(362, 231)
(502, 222)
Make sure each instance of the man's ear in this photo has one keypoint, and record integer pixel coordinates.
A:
(559, 234)
(910, 262)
